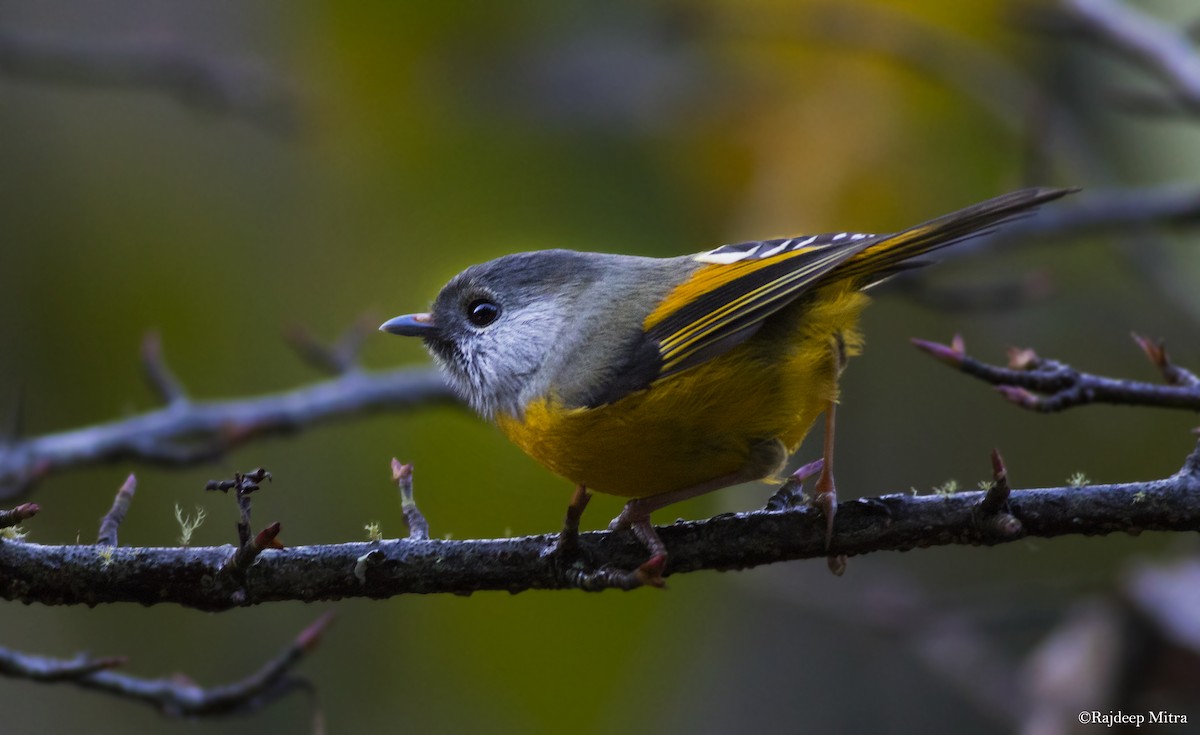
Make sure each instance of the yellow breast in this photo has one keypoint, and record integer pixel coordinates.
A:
(701, 423)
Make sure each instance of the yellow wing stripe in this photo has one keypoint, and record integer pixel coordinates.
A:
(891, 250)
(741, 301)
(714, 319)
(675, 347)
(705, 280)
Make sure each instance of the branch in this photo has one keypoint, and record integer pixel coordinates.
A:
(240, 90)
(1108, 209)
(113, 518)
(194, 577)
(186, 432)
(1158, 47)
(1122, 209)
(1049, 386)
(174, 696)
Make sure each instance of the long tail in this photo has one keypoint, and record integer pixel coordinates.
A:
(887, 255)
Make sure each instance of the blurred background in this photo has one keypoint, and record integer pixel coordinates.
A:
(336, 159)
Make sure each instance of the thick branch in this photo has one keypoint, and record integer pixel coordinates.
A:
(64, 575)
(187, 432)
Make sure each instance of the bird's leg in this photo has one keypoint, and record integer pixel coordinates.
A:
(765, 458)
(825, 491)
(567, 542)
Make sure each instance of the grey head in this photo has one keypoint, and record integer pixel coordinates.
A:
(546, 322)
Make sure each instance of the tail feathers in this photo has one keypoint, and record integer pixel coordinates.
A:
(887, 254)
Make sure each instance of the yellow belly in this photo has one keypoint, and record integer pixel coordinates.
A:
(701, 423)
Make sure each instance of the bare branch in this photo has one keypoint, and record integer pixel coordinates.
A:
(160, 377)
(1048, 385)
(1164, 51)
(240, 90)
(1104, 210)
(42, 668)
(197, 431)
(175, 696)
(338, 358)
(379, 569)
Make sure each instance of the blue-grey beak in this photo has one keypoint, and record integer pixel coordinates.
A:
(410, 325)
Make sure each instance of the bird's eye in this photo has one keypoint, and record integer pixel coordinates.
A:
(482, 312)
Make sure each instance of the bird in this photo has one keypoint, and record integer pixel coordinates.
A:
(661, 379)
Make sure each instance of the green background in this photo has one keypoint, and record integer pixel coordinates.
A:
(429, 136)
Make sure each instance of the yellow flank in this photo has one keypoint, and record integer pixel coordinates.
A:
(701, 423)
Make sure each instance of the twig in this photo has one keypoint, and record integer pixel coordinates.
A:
(200, 431)
(1132, 209)
(418, 527)
(10, 518)
(243, 485)
(1160, 48)
(1048, 385)
(112, 519)
(378, 569)
(240, 90)
(1103, 210)
(249, 551)
(42, 668)
(175, 696)
(336, 359)
(1156, 353)
(160, 377)
(991, 513)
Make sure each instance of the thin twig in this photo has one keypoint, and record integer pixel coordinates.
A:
(338, 358)
(45, 669)
(1048, 385)
(1105, 210)
(112, 519)
(992, 510)
(10, 518)
(243, 485)
(200, 431)
(402, 475)
(241, 90)
(1163, 50)
(249, 550)
(160, 377)
(175, 696)
(1156, 353)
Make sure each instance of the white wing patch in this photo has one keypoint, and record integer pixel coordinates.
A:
(760, 249)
